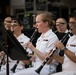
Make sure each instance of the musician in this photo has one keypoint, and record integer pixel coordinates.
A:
(17, 26)
(7, 23)
(69, 59)
(7, 26)
(61, 26)
(62, 29)
(44, 44)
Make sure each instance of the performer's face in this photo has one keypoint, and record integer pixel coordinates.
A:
(72, 25)
(7, 23)
(16, 27)
(61, 25)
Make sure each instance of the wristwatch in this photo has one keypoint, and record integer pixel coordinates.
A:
(64, 49)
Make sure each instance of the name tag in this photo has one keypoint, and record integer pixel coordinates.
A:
(73, 45)
(21, 42)
(45, 39)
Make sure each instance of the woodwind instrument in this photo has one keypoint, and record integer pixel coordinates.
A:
(31, 39)
(50, 55)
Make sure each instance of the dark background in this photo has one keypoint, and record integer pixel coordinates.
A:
(4, 8)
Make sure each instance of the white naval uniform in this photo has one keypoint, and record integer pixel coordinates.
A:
(45, 43)
(69, 67)
(22, 39)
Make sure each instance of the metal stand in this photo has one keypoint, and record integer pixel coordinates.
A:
(7, 65)
(4, 47)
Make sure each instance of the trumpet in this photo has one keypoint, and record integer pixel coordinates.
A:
(50, 55)
(31, 39)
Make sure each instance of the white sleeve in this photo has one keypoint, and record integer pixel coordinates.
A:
(50, 45)
(29, 51)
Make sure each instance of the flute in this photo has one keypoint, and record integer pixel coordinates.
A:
(50, 55)
(31, 39)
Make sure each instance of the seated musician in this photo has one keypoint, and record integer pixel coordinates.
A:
(44, 44)
(69, 59)
(16, 27)
(62, 29)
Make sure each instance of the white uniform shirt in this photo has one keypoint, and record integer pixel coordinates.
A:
(67, 31)
(45, 43)
(68, 65)
(22, 40)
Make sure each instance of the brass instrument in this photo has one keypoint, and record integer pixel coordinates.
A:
(31, 39)
(50, 55)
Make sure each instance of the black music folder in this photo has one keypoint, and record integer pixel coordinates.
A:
(14, 49)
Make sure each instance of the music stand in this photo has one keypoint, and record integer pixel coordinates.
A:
(14, 49)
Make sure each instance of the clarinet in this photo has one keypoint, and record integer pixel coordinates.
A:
(31, 39)
(50, 55)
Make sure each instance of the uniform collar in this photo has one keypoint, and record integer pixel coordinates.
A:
(20, 36)
(67, 31)
(47, 33)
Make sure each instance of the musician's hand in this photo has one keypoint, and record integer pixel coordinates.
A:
(33, 59)
(29, 45)
(59, 45)
(27, 62)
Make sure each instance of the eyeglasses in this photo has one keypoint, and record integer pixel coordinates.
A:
(14, 25)
(60, 24)
(14, 21)
(7, 21)
(72, 23)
